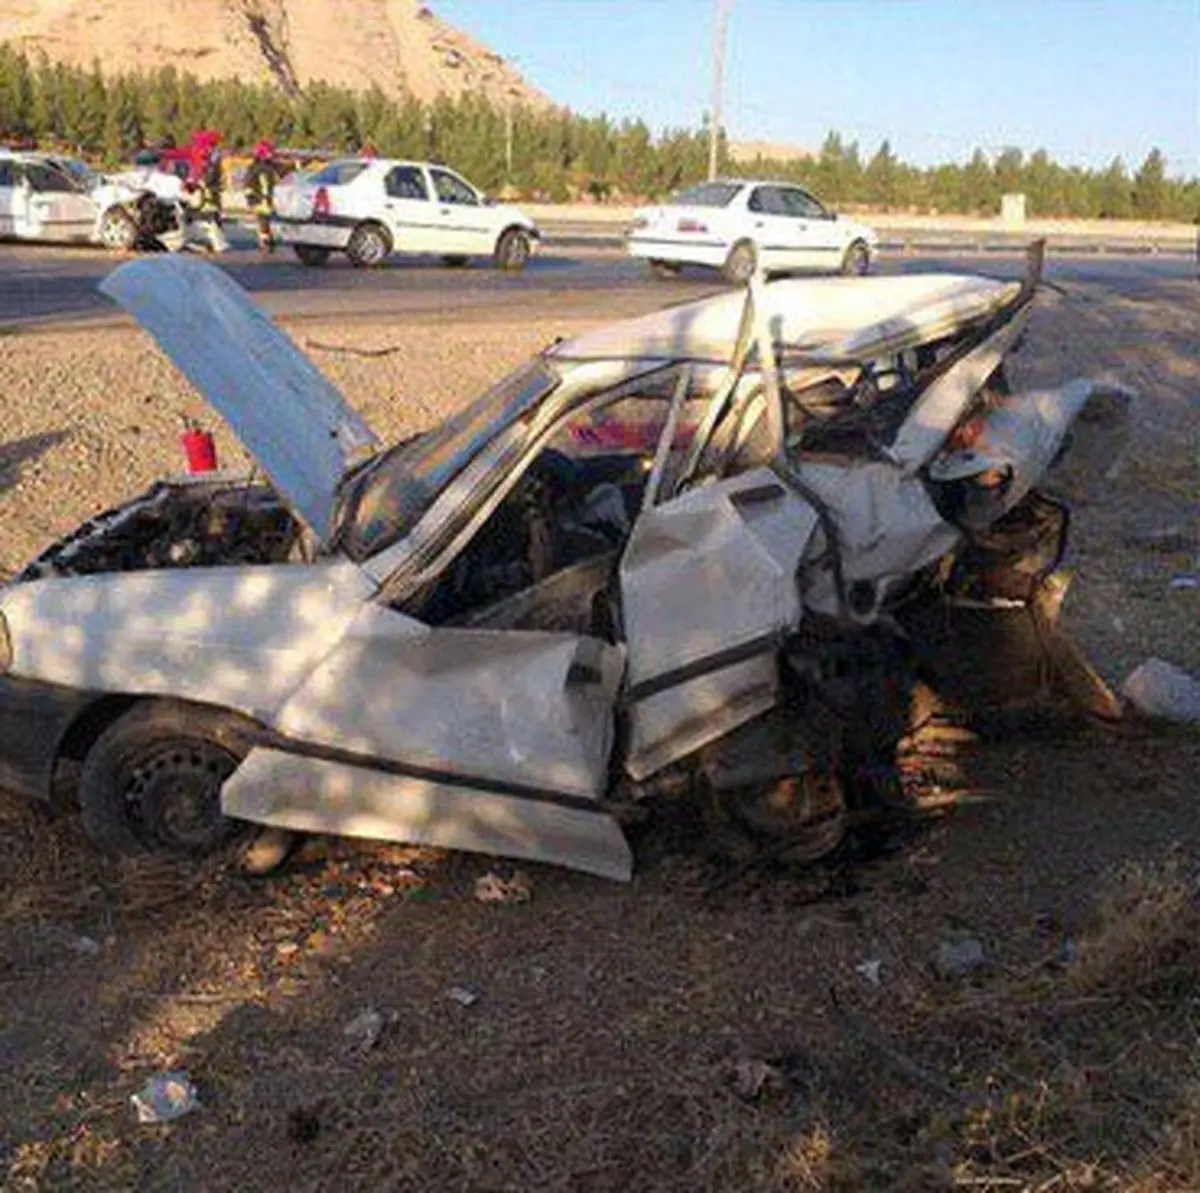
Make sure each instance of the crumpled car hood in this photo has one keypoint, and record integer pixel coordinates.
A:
(284, 410)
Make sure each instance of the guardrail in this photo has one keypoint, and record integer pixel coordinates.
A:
(919, 241)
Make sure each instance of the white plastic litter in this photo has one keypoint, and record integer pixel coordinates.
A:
(1160, 689)
(165, 1098)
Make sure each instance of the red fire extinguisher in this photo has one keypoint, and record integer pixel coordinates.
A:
(200, 448)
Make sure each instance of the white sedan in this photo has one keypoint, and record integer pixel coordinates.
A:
(40, 199)
(740, 225)
(369, 208)
(44, 197)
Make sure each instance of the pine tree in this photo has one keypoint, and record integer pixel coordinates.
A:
(93, 115)
(882, 177)
(1150, 187)
(1114, 195)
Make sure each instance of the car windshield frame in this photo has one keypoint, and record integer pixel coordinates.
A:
(384, 500)
(708, 194)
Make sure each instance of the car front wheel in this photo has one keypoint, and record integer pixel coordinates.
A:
(153, 779)
(513, 250)
(117, 230)
(369, 246)
(857, 260)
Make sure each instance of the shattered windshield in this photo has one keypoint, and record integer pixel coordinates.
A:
(386, 501)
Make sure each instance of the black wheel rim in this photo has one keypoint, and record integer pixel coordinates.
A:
(174, 795)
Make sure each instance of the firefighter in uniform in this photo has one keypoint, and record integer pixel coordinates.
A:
(210, 191)
(260, 192)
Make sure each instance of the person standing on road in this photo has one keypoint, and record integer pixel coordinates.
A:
(260, 192)
(211, 184)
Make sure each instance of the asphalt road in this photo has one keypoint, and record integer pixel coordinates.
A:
(41, 285)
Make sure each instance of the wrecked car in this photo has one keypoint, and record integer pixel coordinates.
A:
(715, 554)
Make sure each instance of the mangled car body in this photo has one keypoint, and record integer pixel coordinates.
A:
(710, 550)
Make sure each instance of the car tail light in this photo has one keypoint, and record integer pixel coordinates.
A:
(321, 204)
(689, 225)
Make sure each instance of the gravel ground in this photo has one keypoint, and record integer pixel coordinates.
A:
(679, 1033)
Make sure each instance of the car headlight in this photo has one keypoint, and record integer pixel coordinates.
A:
(6, 652)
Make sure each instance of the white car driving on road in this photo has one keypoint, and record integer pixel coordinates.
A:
(737, 225)
(369, 208)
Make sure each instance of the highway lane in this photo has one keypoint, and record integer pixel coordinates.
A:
(44, 284)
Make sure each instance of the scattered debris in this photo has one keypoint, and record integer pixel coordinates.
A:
(165, 1098)
(1180, 583)
(364, 1030)
(1163, 691)
(870, 970)
(958, 958)
(493, 888)
(751, 1077)
(268, 851)
(85, 946)
(462, 996)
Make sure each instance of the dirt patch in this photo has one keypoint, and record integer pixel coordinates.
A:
(694, 1030)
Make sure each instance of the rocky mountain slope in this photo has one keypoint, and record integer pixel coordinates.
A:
(352, 43)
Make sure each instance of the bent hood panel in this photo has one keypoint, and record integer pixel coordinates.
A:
(287, 414)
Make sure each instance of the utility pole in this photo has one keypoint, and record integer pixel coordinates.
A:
(714, 127)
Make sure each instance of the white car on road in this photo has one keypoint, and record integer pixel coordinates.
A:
(369, 208)
(42, 200)
(738, 225)
(44, 197)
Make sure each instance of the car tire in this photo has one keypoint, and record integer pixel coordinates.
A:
(311, 255)
(455, 260)
(118, 232)
(152, 780)
(513, 250)
(664, 269)
(741, 263)
(857, 260)
(369, 246)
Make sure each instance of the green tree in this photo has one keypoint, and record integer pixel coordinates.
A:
(1114, 195)
(123, 122)
(1150, 187)
(93, 116)
(978, 184)
(882, 178)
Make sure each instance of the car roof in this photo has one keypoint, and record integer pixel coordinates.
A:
(389, 162)
(827, 319)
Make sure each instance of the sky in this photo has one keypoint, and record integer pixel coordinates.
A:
(1084, 79)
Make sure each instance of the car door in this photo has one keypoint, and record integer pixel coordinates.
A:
(817, 234)
(708, 588)
(464, 224)
(55, 207)
(411, 214)
(773, 230)
(494, 741)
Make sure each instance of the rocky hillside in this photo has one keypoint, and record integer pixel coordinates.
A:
(351, 43)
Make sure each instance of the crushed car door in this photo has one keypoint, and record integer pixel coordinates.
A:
(495, 741)
(708, 591)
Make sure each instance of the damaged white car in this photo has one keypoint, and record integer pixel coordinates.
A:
(709, 554)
